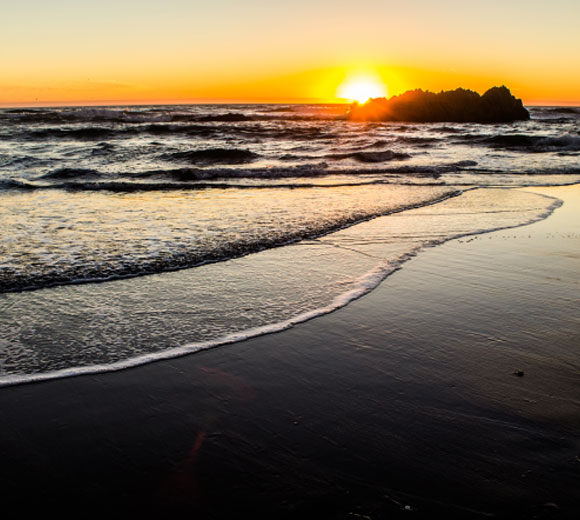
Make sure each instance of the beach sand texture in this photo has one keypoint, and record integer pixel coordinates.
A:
(453, 388)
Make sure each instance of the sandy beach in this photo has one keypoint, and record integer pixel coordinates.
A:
(452, 388)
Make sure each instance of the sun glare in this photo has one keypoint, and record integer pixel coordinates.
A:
(361, 89)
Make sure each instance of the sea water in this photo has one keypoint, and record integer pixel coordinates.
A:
(130, 234)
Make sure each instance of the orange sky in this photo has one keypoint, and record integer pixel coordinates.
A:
(178, 51)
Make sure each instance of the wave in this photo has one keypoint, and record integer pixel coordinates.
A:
(540, 171)
(30, 116)
(134, 187)
(23, 161)
(103, 149)
(421, 142)
(15, 184)
(528, 143)
(510, 141)
(71, 173)
(379, 143)
(212, 156)
(563, 110)
(415, 141)
(228, 118)
(98, 133)
(430, 170)
(564, 143)
(550, 121)
(449, 130)
(241, 245)
(371, 157)
(85, 114)
(284, 108)
(308, 170)
(198, 129)
(177, 174)
(86, 133)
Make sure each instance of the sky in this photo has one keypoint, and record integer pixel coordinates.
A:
(178, 51)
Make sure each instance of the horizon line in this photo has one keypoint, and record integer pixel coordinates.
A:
(224, 101)
(177, 102)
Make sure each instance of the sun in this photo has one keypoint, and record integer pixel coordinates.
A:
(361, 89)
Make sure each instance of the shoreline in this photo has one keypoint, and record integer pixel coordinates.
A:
(403, 403)
(367, 283)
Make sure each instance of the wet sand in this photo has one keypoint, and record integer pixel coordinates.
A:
(453, 388)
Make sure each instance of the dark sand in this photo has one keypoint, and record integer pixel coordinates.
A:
(403, 404)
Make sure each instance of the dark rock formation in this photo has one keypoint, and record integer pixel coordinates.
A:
(497, 105)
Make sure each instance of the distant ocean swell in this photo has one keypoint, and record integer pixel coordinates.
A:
(524, 143)
(213, 113)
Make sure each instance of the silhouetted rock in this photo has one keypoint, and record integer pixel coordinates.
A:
(497, 105)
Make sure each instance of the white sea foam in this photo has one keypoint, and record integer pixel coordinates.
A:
(181, 231)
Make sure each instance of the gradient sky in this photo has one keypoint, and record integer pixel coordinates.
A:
(79, 51)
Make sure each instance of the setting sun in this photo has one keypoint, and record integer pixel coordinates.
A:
(362, 88)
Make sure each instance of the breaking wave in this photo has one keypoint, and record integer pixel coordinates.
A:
(95, 250)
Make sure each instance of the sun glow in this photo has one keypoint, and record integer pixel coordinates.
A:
(362, 88)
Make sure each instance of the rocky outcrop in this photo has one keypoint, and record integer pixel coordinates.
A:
(497, 105)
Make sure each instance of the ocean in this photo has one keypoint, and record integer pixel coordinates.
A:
(132, 234)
